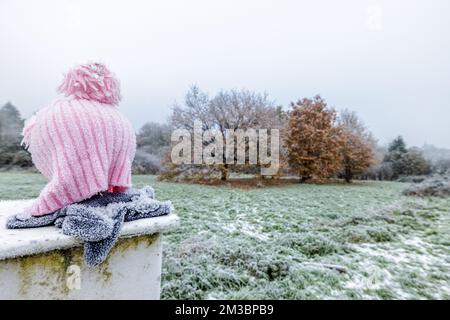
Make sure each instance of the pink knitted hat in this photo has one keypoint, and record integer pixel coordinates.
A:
(82, 144)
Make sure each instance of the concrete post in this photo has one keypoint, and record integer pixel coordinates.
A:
(42, 263)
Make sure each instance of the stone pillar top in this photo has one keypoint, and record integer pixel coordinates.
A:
(24, 242)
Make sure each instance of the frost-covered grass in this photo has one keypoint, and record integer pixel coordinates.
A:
(364, 240)
(20, 185)
(436, 186)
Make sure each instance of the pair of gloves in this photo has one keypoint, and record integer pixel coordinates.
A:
(98, 220)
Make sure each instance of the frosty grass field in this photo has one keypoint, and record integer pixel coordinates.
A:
(296, 241)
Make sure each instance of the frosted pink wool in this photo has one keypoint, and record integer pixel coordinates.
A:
(92, 81)
(83, 147)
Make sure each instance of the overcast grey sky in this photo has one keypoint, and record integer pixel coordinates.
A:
(388, 60)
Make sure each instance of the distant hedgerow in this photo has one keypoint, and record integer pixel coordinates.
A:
(436, 186)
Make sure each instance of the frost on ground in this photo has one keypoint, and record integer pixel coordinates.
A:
(437, 186)
(244, 227)
(406, 272)
(416, 264)
(306, 242)
(364, 240)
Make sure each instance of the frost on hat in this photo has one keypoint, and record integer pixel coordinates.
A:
(82, 144)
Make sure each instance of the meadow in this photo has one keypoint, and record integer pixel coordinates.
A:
(295, 241)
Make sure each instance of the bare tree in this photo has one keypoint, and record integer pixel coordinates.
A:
(227, 110)
(351, 121)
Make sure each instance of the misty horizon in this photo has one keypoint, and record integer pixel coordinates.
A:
(388, 61)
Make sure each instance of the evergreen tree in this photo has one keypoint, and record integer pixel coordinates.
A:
(398, 145)
(405, 161)
(11, 125)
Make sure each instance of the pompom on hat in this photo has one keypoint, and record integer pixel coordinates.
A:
(91, 81)
(82, 144)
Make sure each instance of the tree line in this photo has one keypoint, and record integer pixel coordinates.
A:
(316, 142)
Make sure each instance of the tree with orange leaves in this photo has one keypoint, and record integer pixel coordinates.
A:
(313, 140)
(358, 146)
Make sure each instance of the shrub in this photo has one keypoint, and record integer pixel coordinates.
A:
(22, 159)
(190, 173)
(436, 186)
(412, 179)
